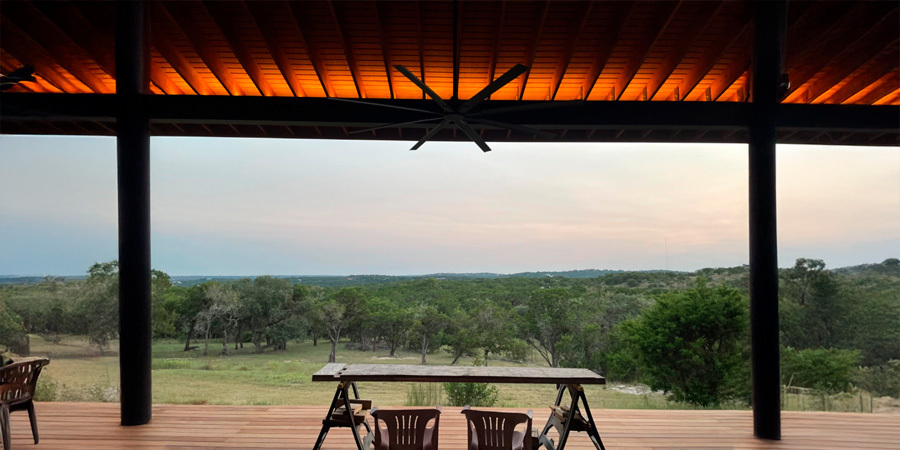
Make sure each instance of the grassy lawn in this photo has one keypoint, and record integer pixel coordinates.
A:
(272, 378)
(78, 372)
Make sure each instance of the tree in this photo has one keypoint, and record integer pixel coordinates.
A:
(810, 304)
(692, 343)
(429, 322)
(827, 370)
(99, 306)
(389, 322)
(549, 315)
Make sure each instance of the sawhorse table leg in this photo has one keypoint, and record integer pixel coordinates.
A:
(576, 392)
(342, 393)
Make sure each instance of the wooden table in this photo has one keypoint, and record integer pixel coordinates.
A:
(567, 380)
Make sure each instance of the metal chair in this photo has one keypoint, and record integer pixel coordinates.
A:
(17, 384)
(406, 429)
(492, 430)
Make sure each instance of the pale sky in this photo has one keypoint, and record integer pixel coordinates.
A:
(266, 206)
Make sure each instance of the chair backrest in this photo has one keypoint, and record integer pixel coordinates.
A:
(21, 378)
(494, 430)
(407, 429)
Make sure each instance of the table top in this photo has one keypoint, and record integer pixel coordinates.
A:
(458, 374)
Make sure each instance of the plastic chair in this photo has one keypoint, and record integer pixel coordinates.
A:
(492, 430)
(406, 429)
(17, 384)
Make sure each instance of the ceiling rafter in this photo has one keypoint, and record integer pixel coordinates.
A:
(185, 22)
(662, 74)
(601, 57)
(263, 24)
(174, 56)
(384, 45)
(845, 62)
(868, 73)
(56, 42)
(492, 69)
(71, 20)
(584, 12)
(739, 65)
(348, 53)
(17, 43)
(301, 27)
(660, 23)
(421, 41)
(537, 38)
(882, 89)
(890, 99)
(820, 52)
(738, 33)
(218, 11)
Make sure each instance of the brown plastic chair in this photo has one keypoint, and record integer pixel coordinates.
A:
(492, 430)
(17, 383)
(406, 429)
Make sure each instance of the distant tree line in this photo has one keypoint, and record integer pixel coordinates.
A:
(684, 333)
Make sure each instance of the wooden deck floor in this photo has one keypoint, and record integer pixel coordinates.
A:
(96, 426)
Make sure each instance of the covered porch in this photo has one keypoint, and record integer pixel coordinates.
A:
(98, 426)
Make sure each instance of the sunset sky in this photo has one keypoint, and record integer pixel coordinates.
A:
(254, 206)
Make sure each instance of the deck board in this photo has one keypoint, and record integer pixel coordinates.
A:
(79, 426)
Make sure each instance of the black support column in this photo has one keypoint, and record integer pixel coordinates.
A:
(768, 45)
(133, 151)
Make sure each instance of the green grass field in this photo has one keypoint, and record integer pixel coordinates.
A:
(77, 372)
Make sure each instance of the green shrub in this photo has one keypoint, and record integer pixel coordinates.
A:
(474, 394)
(691, 344)
(881, 380)
(828, 370)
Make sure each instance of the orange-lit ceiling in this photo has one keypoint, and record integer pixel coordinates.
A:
(837, 52)
(664, 52)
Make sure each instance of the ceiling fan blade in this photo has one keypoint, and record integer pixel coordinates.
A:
(362, 102)
(510, 75)
(430, 134)
(394, 125)
(514, 127)
(424, 87)
(527, 107)
(473, 135)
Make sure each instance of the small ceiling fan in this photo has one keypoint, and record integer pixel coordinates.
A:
(461, 116)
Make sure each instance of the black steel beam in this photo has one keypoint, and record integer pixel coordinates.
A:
(291, 111)
(133, 151)
(768, 44)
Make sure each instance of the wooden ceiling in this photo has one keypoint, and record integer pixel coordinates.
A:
(666, 51)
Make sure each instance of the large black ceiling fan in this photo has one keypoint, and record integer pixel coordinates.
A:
(462, 116)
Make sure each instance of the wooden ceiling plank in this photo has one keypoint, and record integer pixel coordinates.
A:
(875, 69)
(299, 17)
(175, 58)
(884, 89)
(867, 47)
(97, 42)
(496, 45)
(662, 73)
(72, 21)
(537, 38)
(569, 51)
(421, 41)
(266, 29)
(223, 18)
(601, 57)
(819, 54)
(44, 32)
(380, 20)
(649, 38)
(736, 34)
(891, 99)
(185, 22)
(348, 53)
(18, 44)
